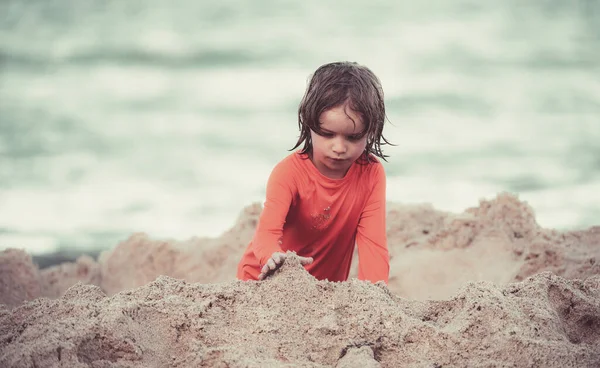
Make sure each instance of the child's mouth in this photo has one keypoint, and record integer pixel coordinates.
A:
(336, 160)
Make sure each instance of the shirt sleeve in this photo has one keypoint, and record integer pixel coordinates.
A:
(279, 195)
(371, 238)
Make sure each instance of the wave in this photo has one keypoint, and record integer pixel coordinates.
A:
(137, 57)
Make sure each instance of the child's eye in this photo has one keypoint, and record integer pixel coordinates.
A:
(326, 134)
(354, 137)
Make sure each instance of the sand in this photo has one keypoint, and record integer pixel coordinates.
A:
(487, 287)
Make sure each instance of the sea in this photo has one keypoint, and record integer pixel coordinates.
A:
(166, 117)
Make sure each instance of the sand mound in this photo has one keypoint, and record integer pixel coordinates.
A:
(139, 260)
(133, 262)
(292, 319)
(487, 287)
(19, 278)
(433, 254)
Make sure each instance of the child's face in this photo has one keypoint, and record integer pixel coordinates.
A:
(339, 146)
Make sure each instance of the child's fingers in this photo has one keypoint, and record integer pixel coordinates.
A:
(306, 260)
(271, 264)
(263, 272)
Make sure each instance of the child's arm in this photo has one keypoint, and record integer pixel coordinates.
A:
(371, 239)
(281, 190)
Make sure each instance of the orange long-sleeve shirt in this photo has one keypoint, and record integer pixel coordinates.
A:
(315, 216)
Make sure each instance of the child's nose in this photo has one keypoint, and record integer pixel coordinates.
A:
(339, 146)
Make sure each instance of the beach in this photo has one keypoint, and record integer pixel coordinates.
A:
(136, 142)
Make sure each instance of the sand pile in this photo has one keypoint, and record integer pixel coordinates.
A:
(293, 320)
(134, 262)
(434, 253)
(460, 294)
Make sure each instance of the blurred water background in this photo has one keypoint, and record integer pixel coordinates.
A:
(166, 117)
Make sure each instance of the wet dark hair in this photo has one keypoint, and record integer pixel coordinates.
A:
(344, 83)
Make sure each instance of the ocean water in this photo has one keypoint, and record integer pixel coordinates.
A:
(167, 117)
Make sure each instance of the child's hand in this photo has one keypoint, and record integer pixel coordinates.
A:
(276, 261)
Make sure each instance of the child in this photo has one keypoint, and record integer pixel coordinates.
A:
(329, 196)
